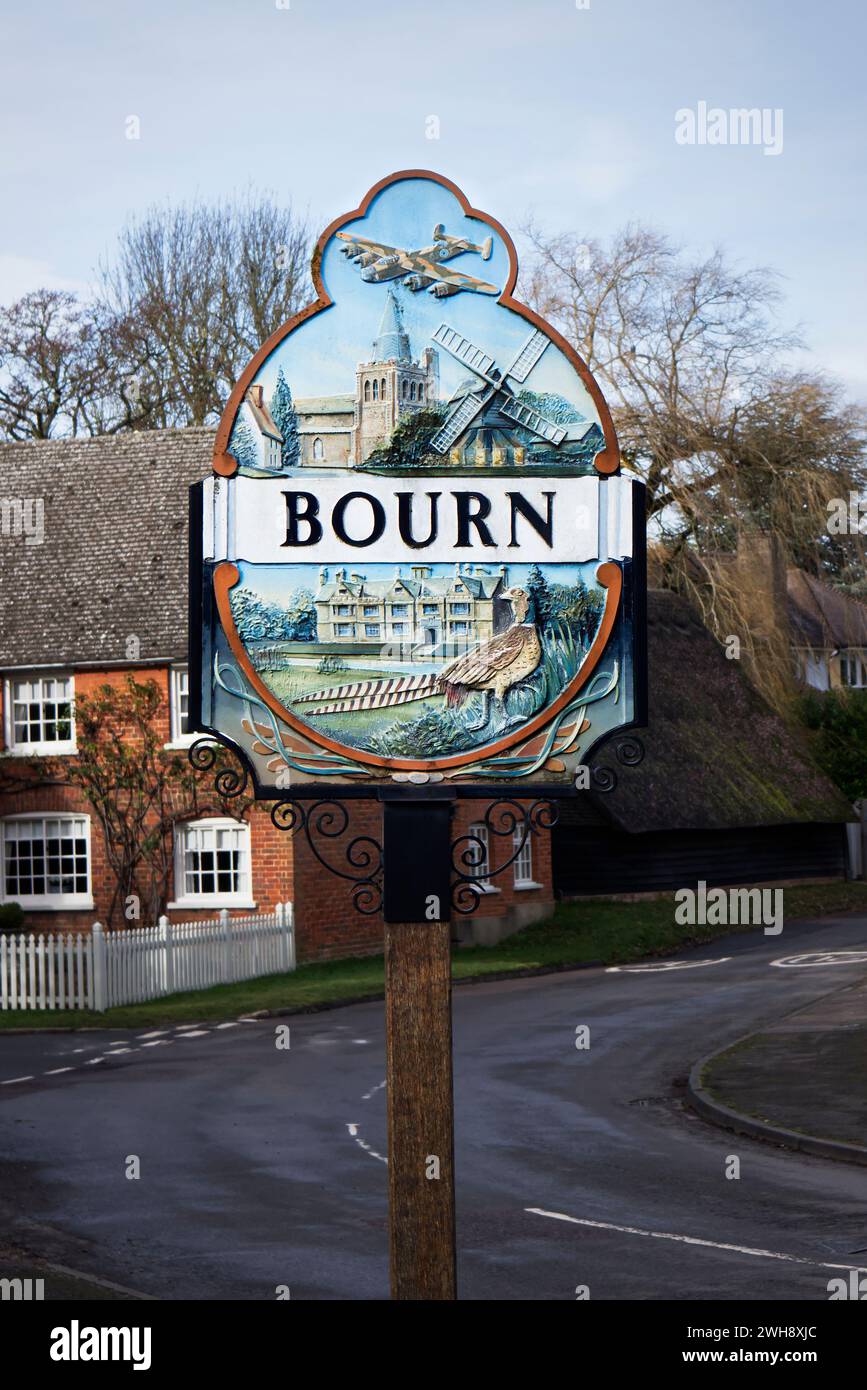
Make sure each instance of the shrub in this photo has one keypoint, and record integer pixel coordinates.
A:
(839, 719)
(11, 917)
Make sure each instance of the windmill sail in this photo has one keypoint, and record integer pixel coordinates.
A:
(460, 347)
(458, 421)
(532, 420)
(528, 356)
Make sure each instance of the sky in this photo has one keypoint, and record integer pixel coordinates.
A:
(538, 107)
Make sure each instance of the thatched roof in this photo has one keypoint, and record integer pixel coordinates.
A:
(823, 617)
(716, 755)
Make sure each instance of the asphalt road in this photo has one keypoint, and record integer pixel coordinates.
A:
(263, 1167)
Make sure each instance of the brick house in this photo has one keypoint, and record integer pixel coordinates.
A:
(99, 593)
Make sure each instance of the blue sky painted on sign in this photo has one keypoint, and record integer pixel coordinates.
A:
(320, 356)
(537, 107)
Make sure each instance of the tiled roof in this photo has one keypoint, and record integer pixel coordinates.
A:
(113, 564)
(436, 586)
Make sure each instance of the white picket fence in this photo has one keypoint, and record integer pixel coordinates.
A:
(101, 969)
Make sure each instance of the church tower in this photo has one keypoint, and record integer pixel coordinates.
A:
(391, 383)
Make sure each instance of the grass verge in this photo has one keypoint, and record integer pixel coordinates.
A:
(578, 932)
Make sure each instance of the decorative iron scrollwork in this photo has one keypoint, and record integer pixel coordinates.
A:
(505, 818)
(229, 781)
(328, 821)
(628, 751)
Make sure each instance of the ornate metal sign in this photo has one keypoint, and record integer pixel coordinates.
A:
(417, 559)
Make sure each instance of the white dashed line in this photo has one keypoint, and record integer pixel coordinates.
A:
(158, 1033)
(203, 1033)
(373, 1090)
(58, 1071)
(688, 1240)
(353, 1130)
(227, 1025)
(159, 1042)
(15, 1079)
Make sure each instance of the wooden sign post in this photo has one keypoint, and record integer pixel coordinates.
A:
(418, 1021)
(417, 575)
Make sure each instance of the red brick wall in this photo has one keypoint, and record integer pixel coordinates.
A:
(283, 866)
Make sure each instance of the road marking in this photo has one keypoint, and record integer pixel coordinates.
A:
(362, 1042)
(58, 1070)
(353, 1130)
(373, 1090)
(227, 1025)
(818, 958)
(94, 1061)
(202, 1033)
(160, 1042)
(15, 1079)
(118, 1050)
(158, 1033)
(688, 1240)
(666, 965)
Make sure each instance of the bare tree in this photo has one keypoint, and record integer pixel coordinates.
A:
(690, 356)
(194, 290)
(46, 351)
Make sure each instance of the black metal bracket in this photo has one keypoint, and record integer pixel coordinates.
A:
(628, 751)
(506, 818)
(423, 864)
(328, 821)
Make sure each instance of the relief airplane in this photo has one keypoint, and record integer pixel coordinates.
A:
(421, 269)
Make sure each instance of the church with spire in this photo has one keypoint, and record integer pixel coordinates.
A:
(342, 431)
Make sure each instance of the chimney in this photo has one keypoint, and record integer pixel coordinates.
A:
(323, 575)
(255, 396)
(504, 573)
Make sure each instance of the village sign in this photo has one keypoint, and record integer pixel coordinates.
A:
(417, 560)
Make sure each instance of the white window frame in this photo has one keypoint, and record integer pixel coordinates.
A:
(44, 749)
(243, 897)
(178, 738)
(853, 666)
(480, 881)
(522, 869)
(48, 902)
